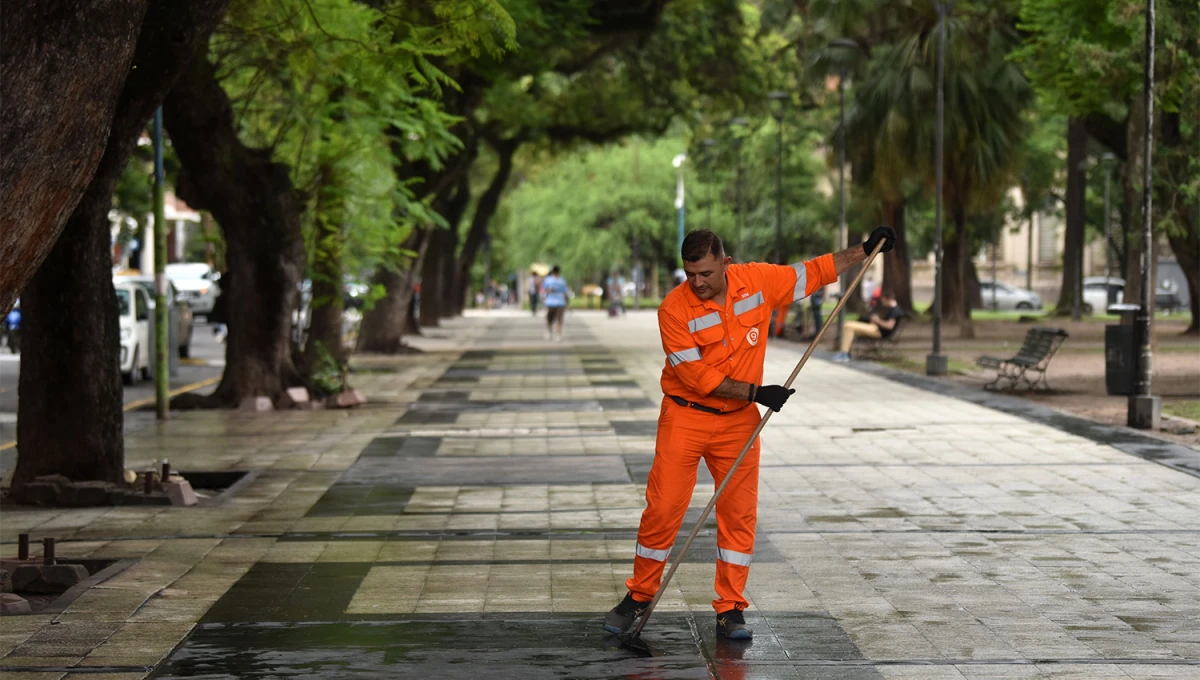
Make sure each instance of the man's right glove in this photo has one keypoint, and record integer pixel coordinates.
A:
(773, 396)
(881, 233)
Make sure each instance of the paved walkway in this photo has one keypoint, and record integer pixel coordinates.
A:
(478, 517)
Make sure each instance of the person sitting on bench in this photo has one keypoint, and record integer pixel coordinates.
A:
(880, 324)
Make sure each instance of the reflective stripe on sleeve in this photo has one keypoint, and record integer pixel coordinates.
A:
(753, 302)
(691, 354)
(801, 281)
(706, 321)
(734, 557)
(650, 554)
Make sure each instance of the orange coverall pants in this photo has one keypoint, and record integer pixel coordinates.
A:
(686, 435)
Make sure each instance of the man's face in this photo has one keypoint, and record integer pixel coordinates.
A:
(706, 276)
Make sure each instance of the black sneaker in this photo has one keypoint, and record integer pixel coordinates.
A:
(621, 617)
(732, 625)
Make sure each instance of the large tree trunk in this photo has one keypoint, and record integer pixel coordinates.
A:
(70, 416)
(897, 274)
(449, 307)
(1185, 236)
(258, 209)
(1131, 181)
(62, 69)
(325, 329)
(384, 326)
(1077, 139)
(485, 208)
(440, 255)
(964, 272)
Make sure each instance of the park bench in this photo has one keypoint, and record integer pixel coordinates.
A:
(880, 348)
(1028, 366)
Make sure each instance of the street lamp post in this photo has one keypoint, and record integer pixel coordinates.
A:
(162, 313)
(843, 230)
(737, 187)
(1108, 160)
(678, 163)
(936, 363)
(778, 99)
(1145, 409)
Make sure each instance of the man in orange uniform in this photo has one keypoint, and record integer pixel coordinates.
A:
(714, 333)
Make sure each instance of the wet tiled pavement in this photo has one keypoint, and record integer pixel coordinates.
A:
(478, 517)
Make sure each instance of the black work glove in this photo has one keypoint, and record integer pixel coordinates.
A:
(885, 234)
(773, 396)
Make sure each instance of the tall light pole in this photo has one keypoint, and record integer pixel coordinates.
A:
(1108, 160)
(162, 314)
(936, 363)
(1144, 408)
(843, 230)
(737, 187)
(777, 106)
(678, 163)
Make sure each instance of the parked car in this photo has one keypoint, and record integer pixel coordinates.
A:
(197, 285)
(181, 312)
(1001, 296)
(133, 311)
(1099, 293)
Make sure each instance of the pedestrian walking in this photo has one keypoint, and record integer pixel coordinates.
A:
(535, 289)
(554, 292)
(616, 293)
(714, 334)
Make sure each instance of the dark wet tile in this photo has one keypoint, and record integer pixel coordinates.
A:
(488, 470)
(635, 428)
(402, 446)
(452, 396)
(290, 593)
(638, 465)
(613, 383)
(415, 417)
(435, 406)
(345, 499)
(511, 648)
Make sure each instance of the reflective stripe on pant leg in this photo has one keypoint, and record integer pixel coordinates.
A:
(668, 490)
(737, 509)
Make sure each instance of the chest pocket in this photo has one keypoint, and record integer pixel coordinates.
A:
(709, 335)
(750, 312)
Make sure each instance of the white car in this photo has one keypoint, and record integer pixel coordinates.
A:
(180, 311)
(196, 283)
(1096, 293)
(133, 313)
(1001, 296)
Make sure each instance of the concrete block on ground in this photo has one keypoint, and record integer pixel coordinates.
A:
(38, 493)
(13, 604)
(293, 397)
(256, 404)
(180, 493)
(5, 581)
(41, 580)
(85, 494)
(347, 399)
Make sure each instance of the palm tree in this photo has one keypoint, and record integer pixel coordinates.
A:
(891, 131)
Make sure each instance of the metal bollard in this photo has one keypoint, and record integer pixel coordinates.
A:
(166, 471)
(22, 546)
(48, 551)
(149, 488)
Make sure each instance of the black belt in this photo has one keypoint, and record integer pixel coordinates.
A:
(701, 407)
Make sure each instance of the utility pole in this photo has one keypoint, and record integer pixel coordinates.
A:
(162, 314)
(936, 363)
(1145, 409)
(679, 195)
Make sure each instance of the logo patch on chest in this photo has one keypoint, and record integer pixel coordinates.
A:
(752, 337)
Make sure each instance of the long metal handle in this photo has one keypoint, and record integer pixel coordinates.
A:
(812, 346)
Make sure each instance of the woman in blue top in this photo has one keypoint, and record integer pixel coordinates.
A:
(554, 294)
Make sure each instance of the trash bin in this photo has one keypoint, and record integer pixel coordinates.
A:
(1121, 352)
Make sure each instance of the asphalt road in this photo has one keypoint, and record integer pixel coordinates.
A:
(207, 361)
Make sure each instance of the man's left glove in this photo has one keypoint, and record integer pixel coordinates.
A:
(883, 233)
(773, 396)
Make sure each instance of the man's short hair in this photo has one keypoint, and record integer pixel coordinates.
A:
(554, 270)
(887, 293)
(700, 244)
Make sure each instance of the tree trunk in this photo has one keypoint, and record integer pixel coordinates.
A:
(485, 208)
(1185, 236)
(964, 272)
(432, 279)
(1131, 181)
(1077, 140)
(62, 69)
(258, 209)
(448, 270)
(70, 416)
(384, 326)
(69, 410)
(325, 328)
(897, 272)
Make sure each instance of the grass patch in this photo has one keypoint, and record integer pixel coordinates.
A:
(1184, 409)
(915, 366)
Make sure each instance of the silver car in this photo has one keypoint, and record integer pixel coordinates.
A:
(1001, 296)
